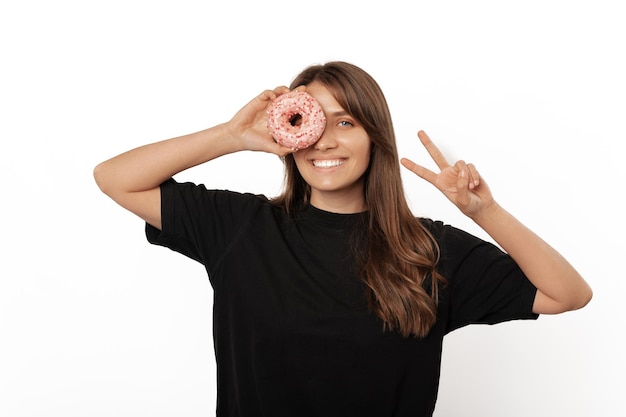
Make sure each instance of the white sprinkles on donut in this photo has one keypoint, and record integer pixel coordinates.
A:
(296, 120)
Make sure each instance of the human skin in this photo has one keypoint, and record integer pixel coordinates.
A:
(133, 179)
(560, 287)
(335, 165)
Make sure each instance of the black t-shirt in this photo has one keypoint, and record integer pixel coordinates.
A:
(293, 335)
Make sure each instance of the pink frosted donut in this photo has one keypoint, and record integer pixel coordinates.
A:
(296, 120)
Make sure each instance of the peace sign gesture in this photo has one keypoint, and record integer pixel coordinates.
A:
(460, 183)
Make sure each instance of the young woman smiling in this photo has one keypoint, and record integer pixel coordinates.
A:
(333, 299)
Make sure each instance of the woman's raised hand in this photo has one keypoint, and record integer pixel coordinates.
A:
(249, 125)
(460, 183)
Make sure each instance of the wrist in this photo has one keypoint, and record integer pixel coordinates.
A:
(487, 214)
(229, 140)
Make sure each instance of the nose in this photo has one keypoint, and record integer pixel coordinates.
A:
(326, 141)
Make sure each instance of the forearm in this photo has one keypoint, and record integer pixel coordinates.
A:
(561, 287)
(146, 167)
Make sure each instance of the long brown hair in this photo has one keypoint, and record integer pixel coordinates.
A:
(400, 255)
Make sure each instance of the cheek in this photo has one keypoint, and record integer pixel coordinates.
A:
(366, 156)
(301, 162)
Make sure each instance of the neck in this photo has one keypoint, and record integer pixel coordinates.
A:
(339, 202)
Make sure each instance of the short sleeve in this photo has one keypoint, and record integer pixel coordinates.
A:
(200, 223)
(485, 285)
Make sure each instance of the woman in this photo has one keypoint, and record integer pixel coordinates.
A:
(332, 299)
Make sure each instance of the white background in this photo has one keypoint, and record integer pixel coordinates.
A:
(94, 321)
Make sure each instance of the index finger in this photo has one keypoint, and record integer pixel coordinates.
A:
(433, 151)
(419, 170)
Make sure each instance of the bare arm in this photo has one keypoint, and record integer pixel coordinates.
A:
(133, 178)
(560, 287)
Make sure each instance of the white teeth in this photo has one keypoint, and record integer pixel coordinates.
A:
(328, 163)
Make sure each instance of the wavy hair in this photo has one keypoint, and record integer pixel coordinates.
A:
(399, 256)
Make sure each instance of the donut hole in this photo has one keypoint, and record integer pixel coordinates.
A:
(295, 120)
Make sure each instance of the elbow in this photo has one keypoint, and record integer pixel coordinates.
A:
(569, 301)
(580, 294)
(580, 299)
(585, 297)
(100, 176)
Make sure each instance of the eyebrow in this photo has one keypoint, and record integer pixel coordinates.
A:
(340, 113)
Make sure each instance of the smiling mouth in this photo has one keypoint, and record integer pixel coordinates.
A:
(326, 163)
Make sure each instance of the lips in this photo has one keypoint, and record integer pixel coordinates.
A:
(328, 163)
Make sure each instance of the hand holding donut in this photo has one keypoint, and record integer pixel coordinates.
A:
(460, 183)
(249, 125)
(296, 120)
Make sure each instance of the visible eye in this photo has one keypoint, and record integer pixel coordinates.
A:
(345, 123)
